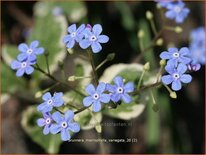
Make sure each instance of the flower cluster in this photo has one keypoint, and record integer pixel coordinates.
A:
(26, 58)
(56, 122)
(86, 36)
(197, 48)
(175, 10)
(176, 67)
(116, 93)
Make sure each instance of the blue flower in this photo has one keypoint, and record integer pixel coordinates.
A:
(177, 11)
(174, 56)
(193, 67)
(46, 121)
(23, 67)
(198, 35)
(119, 91)
(176, 76)
(93, 38)
(164, 3)
(29, 52)
(64, 124)
(50, 102)
(197, 46)
(96, 96)
(75, 35)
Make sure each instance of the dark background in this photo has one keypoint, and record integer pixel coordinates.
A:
(186, 125)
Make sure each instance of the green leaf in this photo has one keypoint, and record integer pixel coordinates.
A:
(83, 69)
(149, 55)
(49, 31)
(9, 53)
(130, 72)
(75, 11)
(10, 82)
(50, 143)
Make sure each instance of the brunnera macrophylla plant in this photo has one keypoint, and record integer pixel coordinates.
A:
(178, 62)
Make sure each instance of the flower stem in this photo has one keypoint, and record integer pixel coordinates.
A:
(101, 64)
(90, 55)
(56, 80)
(140, 80)
(47, 63)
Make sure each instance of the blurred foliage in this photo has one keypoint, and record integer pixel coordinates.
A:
(51, 21)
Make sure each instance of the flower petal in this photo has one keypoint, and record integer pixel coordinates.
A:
(57, 117)
(34, 44)
(74, 127)
(176, 85)
(118, 81)
(181, 68)
(87, 101)
(167, 79)
(65, 135)
(23, 47)
(71, 43)
(72, 28)
(172, 50)
(165, 55)
(81, 28)
(85, 43)
(67, 38)
(46, 96)
(22, 56)
(115, 97)
(55, 128)
(41, 122)
(101, 88)
(15, 64)
(96, 47)
(39, 51)
(90, 89)
(46, 130)
(69, 115)
(126, 98)
(97, 29)
(96, 106)
(57, 99)
(129, 87)
(186, 78)
(29, 70)
(20, 72)
(103, 39)
(105, 98)
(170, 14)
(110, 88)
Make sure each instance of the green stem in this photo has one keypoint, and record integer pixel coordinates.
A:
(47, 63)
(101, 64)
(54, 79)
(140, 80)
(153, 26)
(93, 67)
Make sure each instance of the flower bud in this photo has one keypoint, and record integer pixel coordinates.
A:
(140, 34)
(70, 51)
(110, 56)
(159, 42)
(38, 94)
(162, 62)
(72, 78)
(147, 66)
(98, 128)
(173, 95)
(149, 15)
(178, 29)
